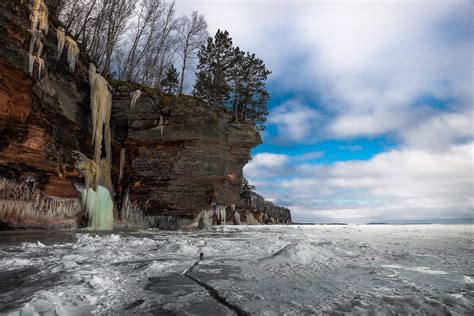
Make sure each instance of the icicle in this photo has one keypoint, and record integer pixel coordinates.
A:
(72, 53)
(39, 45)
(237, 218)
(122, 163)
(40, 65)
(161, 126)
(101, 107)
(61, 37)
(92, 73)
(131, 213)
(43, 13)
(39, 24)
(31, 59)
(222, 216)
(135, 95)
(24, 204)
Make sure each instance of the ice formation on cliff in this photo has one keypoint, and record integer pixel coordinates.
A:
(122, 163)
(39, 17)
(39, 25)
(72, 52)
(161, 126)
(132, 214)
(25, 203)
(237, 218)
(40, 62)
(99, 207)
(101, 107)
(135, 95)
(96, 194)
(61, 37)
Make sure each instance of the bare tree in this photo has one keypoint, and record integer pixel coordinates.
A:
(161, 53)
(144, 54)
(192, 34)
(117, 14)
(148, 16)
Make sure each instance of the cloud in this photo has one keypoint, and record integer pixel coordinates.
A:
(295, 122)
(265, 164)
(364, 62)
(408, 184)
(352, 69)
(441, 130)
(309, 156)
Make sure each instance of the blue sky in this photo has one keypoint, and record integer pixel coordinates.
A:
(371, 111)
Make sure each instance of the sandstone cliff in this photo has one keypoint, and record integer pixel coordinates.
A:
(191, 162)
(264, 211)
(176, 162)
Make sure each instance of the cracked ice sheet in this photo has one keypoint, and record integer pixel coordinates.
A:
(261, 269)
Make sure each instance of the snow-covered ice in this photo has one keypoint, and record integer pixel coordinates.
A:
(260, 270)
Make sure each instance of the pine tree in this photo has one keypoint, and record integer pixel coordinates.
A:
(246, 190)
(216, 60)
(250, 96)
(170, 82)
(231, 78)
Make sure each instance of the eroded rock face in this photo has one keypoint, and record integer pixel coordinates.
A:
(264, 211)
(41, 121)
(191, 164)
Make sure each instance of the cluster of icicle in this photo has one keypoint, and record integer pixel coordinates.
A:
(205, 218)
(161, 126)
(72, 53)
(101, 108)
(134, 95)
(237, 218)
(72, 48)
(131, 214)
(61, 37)
(24, 203)
(38, 28)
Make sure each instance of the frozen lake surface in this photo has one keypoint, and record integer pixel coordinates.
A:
(258, 270)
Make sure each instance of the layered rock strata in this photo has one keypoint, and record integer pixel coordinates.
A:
(176, 162)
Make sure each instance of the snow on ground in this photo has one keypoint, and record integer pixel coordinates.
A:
(261, 270)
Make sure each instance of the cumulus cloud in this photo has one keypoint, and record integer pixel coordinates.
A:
(408, 184)
(265, 164)
(364, 66)
(441, 130)
(295, 121)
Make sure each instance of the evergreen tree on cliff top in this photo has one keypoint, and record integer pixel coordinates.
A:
(170, 82)
(215, 61)
(250, 97)
(233, 79)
